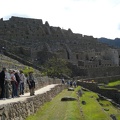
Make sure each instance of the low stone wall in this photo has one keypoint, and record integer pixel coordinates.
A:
(43, 81)
(20, 110)
(105, 79)
(109, 93)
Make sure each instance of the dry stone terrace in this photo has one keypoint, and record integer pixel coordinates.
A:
(35, 41)
(20, 108)
(27, 95)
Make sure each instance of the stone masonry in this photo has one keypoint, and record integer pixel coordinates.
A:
(34, 41)
(21, 109)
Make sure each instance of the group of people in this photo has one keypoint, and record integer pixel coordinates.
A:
(12, 83)
(70, 83)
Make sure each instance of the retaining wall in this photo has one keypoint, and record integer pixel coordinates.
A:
(20, 110)
(109, 93)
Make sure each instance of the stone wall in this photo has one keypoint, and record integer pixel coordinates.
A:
(28, 35)
(42, 81)
(103, 71)
(20, 110)
(104, 80)
(109, 93)
(36, 42)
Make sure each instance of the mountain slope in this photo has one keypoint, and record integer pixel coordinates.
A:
(112, 42)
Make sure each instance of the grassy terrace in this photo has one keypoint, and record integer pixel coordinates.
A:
(113, 84)
(75, 110)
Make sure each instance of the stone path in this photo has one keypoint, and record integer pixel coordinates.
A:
(27, 95)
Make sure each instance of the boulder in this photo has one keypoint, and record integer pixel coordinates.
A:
(70, 89)
(113, 117)
(83, 102)
(68, 98)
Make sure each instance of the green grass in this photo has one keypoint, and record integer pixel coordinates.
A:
(75, 110)
(110, 109)
(112, 84)
(92, 110)
(108, 88)
(58, 110)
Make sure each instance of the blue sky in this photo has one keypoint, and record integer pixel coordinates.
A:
(99, 18)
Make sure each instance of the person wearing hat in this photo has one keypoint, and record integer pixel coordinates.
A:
(7, 84)
(2, 81)
(13, 83)
(31, 83)
(22, 82)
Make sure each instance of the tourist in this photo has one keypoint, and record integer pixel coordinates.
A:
(2, 81)
(13, 82)
(17, 83)
(31, 83)
(7, 84)
(71, 83)
(75, 84)
(22, 82)
(63, 81)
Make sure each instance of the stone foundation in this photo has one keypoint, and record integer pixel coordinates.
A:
(20, 110)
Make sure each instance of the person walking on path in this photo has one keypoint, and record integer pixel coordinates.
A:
(31, 83)
(2, 81)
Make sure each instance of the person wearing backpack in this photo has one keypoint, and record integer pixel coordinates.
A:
(31, 83)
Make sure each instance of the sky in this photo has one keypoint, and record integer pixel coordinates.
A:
(97, 18)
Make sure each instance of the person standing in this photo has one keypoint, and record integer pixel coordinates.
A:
(7, 84)
(22, 82)
(31, 83)
(2, 81)
(13, 83)
(63, 81)
(17, 83)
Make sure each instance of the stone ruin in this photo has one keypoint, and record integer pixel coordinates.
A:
(34, 41)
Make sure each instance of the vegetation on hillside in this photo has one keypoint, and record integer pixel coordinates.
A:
(56, 67)
(27, 69)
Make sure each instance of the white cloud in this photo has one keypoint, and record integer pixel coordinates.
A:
(99, 18)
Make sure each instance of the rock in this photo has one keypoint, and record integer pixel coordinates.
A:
(70, 89)
(83, 102)
(113, 117)
(68, 98)
(106, 109)
(79, 93)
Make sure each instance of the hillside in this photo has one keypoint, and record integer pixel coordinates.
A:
(10, 63)
(35, 42)
(111, 42)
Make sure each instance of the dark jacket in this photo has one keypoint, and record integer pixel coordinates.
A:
(2, 77)
(17, 78)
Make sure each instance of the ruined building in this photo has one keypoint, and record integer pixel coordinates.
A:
(34, 41)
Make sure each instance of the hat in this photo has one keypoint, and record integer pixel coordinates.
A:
(4, 69)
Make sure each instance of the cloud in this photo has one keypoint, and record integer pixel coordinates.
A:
(89, 17)
(119, 26)
(15, 14)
